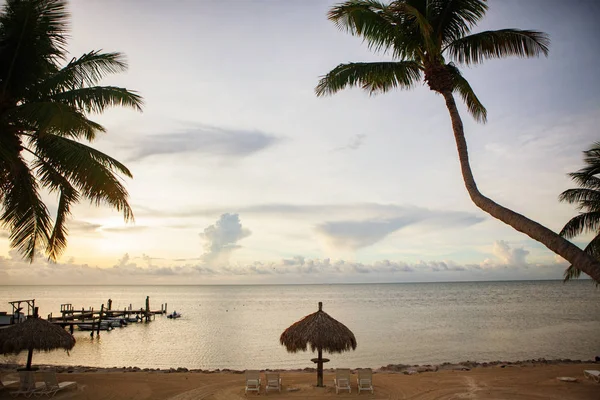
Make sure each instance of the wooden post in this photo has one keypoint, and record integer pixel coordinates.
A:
(165, 308)
(320, 368)
(109, 304)
(71, 326)
(100, 319)
(147, 308)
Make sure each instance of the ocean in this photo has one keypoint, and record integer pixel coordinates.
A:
(238, 327)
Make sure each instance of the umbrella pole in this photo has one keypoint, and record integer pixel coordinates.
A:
(320, 369)
(29, 357)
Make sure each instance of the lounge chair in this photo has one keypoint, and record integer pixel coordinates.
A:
(592, 374)
(252, 381)
(365, 380)
(27, 384)
(4, 384)
(52, 385)
(273, 382)
(342, 380)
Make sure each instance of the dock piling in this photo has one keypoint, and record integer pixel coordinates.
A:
(100, 320)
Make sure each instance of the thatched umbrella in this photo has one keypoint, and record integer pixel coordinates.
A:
(34, 334)
(321, 332)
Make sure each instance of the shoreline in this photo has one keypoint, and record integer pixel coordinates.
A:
(524, 381)
(407, 369)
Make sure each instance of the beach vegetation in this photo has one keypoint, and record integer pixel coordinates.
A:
(587, 198)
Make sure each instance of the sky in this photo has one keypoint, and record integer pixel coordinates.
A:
(243, 176)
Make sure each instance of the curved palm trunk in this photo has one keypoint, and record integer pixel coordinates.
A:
(577, 257)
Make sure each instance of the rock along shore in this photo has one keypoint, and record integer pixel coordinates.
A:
(390, 368)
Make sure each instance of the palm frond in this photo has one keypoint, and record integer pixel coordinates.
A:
(87, 70)
(586, 176)
(580, 196)
(593, 249)
(571, 273)
(476, 48)
(68, 195)
(33, 39)
(585, 180)
(378, 25)
(584, 222)
(96, 99)
(55, 117)
(24, 213)
(372, 77)
(462, 86)
(455, 18)
(89, 170)
(407, 14)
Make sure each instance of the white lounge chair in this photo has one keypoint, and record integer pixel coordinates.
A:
(592, 374)
(27, 384)
(273, 382)
(52, 385)
(252, 381)
(365, 380)
(342, 380)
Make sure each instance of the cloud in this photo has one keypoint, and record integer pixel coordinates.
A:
(356, 142)
(508, 256)
(357, 234)
(126, 229)
(298, 269)
(348, 211)
(83, 226)
(222, 237)
(205, 140)
(214, 267)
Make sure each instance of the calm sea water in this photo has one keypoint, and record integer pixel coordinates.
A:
(238, 327)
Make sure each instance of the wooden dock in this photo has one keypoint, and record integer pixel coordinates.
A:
(70, 316)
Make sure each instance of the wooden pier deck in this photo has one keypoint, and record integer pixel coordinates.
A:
(69, 316)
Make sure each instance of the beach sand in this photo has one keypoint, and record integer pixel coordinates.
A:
(511, 382)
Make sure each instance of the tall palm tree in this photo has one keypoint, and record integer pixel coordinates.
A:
(43, 122)
(588, 199)
(421, 36)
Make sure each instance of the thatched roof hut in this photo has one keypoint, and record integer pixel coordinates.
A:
(321, 332)
(34, 334)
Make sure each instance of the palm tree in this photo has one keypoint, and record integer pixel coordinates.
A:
(588, 198)
(420, 36)
(43, 121)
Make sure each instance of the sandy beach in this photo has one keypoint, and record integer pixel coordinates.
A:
(534, 381)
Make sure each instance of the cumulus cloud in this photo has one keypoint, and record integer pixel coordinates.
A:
(222, 237)
(508, 256)
(205, 140)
